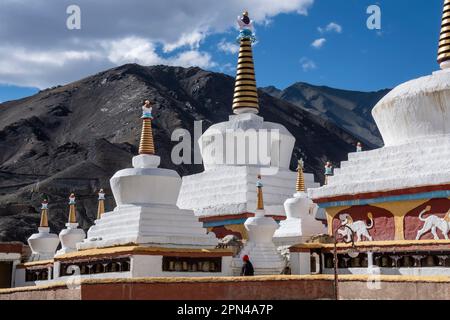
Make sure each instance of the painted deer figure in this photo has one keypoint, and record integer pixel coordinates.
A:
(359, 227)
(432, 223)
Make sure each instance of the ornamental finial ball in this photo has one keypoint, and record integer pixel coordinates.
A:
(245, 18)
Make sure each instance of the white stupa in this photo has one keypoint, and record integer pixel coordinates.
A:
(234, 152)
(259, 247)
(71, 235)
(413, 120)
(146, 212)
(43, 244)
(301, 223)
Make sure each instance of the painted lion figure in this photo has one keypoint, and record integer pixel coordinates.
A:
(433, 222)
(360, 228)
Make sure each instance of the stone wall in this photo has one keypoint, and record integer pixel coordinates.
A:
(234, 288)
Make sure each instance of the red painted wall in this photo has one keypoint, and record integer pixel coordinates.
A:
(384, 225)
(412, 224)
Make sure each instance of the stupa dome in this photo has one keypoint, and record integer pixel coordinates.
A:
(252, 128)
(417, 109)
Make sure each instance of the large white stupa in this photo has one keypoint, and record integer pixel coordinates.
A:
(413, 120)
(235, 152)
(146, 212)
(408, 177)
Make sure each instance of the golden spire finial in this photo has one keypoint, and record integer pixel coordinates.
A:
(146, 145)
(72, 209)
(259, 194)
(44, 214)
(101, 204)
(245, 99)
(300, 186)
(444, 39)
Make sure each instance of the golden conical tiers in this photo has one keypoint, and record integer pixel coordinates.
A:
(444, 40)
(259, 195)
(44, 218)
(300, 186)
(101, 204)
(72, 209)
(146, 145)
(245, 91)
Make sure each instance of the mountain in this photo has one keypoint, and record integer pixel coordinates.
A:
(349, 110)
(73, 138)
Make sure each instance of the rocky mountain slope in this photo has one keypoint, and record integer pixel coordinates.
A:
(349, 110)
(73, 138)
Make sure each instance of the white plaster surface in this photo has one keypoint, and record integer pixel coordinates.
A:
(69, 238)
(43, 244)
(416, 109)
(147, 214)
(260, 248)
(423, 162)
(300, 224)
(255, 130)
(300, 263)
(146, 161)
(227, 187)
(231, 190)
(414, 122)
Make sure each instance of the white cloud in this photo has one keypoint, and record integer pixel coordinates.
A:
(307, 64)
(42, 68)
(142, 51)
(331, 27)
(192, 40)
(33, 53)
(228, 47)
(318, 43)
(192, 58)
(134, 50)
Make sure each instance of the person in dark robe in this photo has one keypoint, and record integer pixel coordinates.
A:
(247, 267)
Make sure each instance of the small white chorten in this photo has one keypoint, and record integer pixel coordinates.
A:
(72, 234)
(259, 247)
(301, 223)
(146, 212)
(43, 244)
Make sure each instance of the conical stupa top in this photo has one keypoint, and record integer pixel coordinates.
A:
(300, 186)
(72, 209)
(44, 214)
(444, 39)
(147, 146)
(245, 99)
(259, 194)
(101, 204)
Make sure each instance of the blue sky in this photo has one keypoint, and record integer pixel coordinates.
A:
(355, 58)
